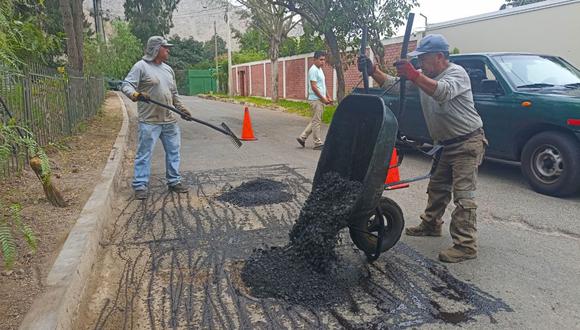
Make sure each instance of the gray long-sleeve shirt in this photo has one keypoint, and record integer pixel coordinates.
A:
(450, 112)
(157, 80)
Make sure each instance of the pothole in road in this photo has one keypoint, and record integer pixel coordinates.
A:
(257, 192)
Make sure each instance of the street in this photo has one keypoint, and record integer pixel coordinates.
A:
(174, 261)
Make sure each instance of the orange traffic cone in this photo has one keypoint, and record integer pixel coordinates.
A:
(247, 132)
(393, 173)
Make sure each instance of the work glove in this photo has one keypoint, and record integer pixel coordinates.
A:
(143, 97)
(363, 62)
(406, 70)
(186, 114)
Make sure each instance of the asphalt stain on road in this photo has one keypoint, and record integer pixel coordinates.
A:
(180, 261)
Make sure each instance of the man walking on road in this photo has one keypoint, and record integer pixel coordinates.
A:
(151, 78)
(453, 122)
(318, 98)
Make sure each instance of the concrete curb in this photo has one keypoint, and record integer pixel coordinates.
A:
(58, 306)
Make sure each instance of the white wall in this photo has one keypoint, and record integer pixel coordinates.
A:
(549, 27)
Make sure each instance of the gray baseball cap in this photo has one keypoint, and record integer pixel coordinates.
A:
(432, 43)
(153, 45)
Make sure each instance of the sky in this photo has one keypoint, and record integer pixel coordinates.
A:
(438, 11)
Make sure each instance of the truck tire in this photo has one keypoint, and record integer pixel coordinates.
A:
(360, 231)
(551, 163)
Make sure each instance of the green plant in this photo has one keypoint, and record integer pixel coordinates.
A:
(11, 224)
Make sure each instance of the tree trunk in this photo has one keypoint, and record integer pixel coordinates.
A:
(70, 19)
(78, 19)
(274, 54)
(332, 43)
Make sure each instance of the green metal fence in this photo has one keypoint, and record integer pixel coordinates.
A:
(50, 104)
(201, 81)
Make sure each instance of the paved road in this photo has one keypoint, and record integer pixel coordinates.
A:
(526, 276)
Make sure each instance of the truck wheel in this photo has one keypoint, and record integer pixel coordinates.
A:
(364, 232)
(551, 163)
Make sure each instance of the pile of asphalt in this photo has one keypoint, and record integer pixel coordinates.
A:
(308, 271)
(257, 192)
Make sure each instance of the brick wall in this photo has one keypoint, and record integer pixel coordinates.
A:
(257, 80)
(296, 75)
(295, 79)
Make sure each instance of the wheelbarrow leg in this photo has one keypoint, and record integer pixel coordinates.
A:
(380, 226)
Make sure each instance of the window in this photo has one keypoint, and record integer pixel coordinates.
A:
(480, 75)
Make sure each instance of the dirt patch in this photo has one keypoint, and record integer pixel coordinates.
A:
(77, 163)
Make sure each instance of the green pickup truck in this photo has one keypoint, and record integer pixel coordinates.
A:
(530, 106)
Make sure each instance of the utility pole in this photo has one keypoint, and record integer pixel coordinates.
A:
(217, 82)
(99, 27)
(228, 21)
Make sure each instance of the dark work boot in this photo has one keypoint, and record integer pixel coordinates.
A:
(141, 194)
(424, 229)
(301, 142)
(178, 188)
(457, 253)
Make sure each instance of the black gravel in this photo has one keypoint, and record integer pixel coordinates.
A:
(257, 192)
(306, 271)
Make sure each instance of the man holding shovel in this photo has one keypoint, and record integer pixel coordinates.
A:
(453, 122)
(151, 78)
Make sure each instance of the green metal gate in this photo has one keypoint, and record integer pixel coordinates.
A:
(201, 81)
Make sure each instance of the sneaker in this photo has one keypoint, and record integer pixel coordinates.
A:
(457, 253)
(141, 194)
(301, 142)
(424, 229)
(318, 147)
(178, 188)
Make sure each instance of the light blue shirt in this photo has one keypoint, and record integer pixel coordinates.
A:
(316, 74)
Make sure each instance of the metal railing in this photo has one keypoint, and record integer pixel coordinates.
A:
(49, 104)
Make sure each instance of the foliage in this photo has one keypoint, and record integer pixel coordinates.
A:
(22, 37)
(341, 22)
(253, 43)
(381, 17)
(14, 139)
(116, 58)
(150, 17)
(185, 53)
(517, 3)
(10, 224)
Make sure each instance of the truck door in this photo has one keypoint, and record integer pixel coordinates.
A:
(492, 104)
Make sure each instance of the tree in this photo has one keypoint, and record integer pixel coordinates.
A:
(322, 16)
(23, 33)
(383, 17)
(209, 47)
(114, 59)
(150, 17)
(340, 22)
(72, 18)
(185, 53)
(517, 3)
(273, 22)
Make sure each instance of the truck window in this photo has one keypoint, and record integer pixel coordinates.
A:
(537, 71)
(478, 72)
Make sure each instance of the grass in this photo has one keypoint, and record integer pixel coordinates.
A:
(301, 108)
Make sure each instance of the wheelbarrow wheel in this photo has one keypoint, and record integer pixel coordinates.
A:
(365, 232)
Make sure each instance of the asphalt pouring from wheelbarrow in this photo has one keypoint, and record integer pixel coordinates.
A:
(307, 270)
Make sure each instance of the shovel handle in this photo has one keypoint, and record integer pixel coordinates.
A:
(188, 117)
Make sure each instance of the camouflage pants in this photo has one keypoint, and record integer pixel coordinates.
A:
(456, 174)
